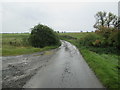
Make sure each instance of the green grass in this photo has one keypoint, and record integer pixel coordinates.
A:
(104, 65)
(76, 35)
(16, 39)
(17, 44)
(12, 50)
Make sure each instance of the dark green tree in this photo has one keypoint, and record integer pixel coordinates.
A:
(42, 35)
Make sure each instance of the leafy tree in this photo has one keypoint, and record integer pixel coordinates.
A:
(42, 35)
(108, 26)
(110, 18)
(116, 22)
(104, 19)
(100, 19)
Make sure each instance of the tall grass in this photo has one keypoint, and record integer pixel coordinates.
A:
(15, 39)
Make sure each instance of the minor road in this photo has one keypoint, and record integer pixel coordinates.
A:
(65, 69)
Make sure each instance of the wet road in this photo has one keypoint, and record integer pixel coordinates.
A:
(66, 69)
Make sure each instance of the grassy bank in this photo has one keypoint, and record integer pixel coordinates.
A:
(105, 65)
(17, 44)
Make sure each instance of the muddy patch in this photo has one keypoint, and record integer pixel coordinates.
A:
(17, 70)
(15, 76)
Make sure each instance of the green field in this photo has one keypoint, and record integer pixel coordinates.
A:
(17, 44)
(76, 35)
(105, 65)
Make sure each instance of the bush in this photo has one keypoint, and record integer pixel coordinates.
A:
(90, 40)
(42, 36)
(96, 43)
(104, 31)
(114, 39)
(110, 36)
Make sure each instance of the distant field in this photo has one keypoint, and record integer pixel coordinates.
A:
(17, 44)
(76, 35)
(104, 65)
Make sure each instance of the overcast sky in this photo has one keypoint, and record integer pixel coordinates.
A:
(61, 16)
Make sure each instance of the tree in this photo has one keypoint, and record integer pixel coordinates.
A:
(110, 18)
(116, 22)
(104, 19)
(108, 26)
(42, 35)
(100, 19)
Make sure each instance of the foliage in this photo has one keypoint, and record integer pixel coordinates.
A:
(114, 39)
(108, 27)
(96, 43)
(116, 22)
(42, 36)
(91, 39)
(100, 19)
(104, 19)
(104, 31)
(110, 36)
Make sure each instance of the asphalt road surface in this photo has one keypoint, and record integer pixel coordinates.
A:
(65, 69)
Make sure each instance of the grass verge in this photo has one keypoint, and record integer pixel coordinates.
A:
(11, 51)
